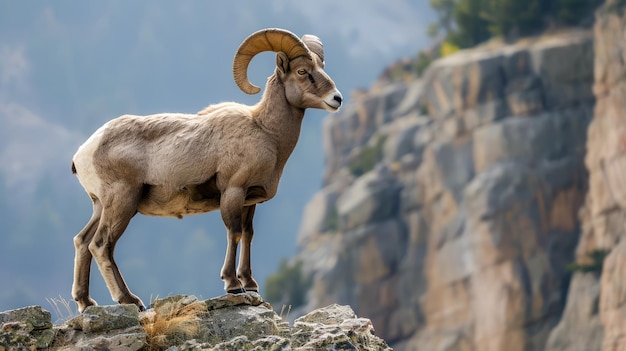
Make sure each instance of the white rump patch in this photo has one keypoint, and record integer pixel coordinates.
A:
(83, 161)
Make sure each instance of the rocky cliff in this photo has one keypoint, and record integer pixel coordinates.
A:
(229, 322)
(595, 317)
(449, 213)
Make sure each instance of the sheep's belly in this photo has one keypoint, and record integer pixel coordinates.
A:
(166, 202)
(179, 205)
(177, 211)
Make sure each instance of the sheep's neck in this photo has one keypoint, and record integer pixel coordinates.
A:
(280, 120)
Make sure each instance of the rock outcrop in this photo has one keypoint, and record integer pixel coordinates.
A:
(229, 322)
(449, 212)
(595, 317)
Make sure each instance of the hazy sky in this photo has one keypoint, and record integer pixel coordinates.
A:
(66, 67)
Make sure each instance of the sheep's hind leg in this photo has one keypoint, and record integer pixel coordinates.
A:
(231, 208)
(244, 272)
(118, 209)
(82, 260)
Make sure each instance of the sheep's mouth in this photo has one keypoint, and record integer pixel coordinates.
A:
(331, 107)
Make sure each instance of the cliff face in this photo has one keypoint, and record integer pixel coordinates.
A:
(594, 318)
(450, 206)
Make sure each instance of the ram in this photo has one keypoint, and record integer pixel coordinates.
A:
(228, 156)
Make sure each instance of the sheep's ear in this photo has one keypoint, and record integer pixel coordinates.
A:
(282, 61)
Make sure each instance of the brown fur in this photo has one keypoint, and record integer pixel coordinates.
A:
(228, 156)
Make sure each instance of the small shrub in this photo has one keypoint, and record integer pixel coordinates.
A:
(369, 156)
(397, 73)
(597, 261)
(422, 62)
(423, 109)
(288, 285)
(332, 221)
(447, 48)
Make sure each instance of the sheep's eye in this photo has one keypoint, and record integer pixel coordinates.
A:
(301, 71)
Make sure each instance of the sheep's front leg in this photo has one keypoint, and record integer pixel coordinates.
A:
(244, 272)
(231, 208)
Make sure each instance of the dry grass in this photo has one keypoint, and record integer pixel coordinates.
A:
(171, 323)
(282, 310)
(62, 308)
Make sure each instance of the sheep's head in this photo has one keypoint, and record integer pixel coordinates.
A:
(299, 65)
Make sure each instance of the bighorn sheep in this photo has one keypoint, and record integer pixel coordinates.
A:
(228, 156)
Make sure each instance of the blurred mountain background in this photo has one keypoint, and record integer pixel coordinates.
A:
(67, 67)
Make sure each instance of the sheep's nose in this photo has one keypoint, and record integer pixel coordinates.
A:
(338, 98)
(333, 100)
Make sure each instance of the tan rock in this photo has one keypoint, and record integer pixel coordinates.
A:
(580, 329)
(613, 299)
(584, 326)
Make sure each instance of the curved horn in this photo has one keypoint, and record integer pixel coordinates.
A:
(314, 44)
(271, 39)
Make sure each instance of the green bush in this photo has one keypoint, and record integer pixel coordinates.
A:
(470, 22)
(597, 261)
(288, 285)
(332, 221)
(422, 62)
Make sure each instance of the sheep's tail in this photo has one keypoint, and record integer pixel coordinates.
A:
(73, 168)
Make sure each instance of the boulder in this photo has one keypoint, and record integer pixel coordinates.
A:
(335, 328)
(28, 327)
(113, 327)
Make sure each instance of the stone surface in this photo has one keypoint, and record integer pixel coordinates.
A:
(582, 329)
(35, 317)
(613, 299)
(97, 319)
(320, 216)
(593, 319)
(335, 328)
(232, 300)
(227, 322)
(27, 328)
(113, 327)
(373, 197)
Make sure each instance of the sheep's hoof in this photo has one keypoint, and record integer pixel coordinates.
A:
(252, 290)
(236, 291)
(142, 308)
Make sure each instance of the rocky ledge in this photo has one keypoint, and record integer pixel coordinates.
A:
(228, 322)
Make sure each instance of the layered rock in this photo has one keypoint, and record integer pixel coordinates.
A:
(229, 322)
(595, 315)
(449, 209)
